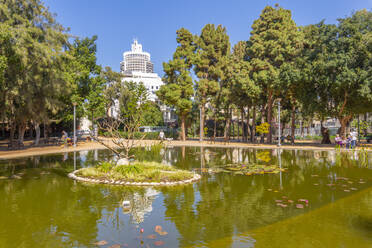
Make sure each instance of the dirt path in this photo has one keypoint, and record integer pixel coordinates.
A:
(31, 151)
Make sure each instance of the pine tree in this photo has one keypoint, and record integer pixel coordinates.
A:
(178, 88)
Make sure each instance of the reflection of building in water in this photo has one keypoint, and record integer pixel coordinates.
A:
(169, 157)
(83, 155)
(140, 204)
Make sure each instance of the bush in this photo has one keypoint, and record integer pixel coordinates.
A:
(104, 167)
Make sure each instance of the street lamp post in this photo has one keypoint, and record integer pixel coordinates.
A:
(74, 103)
(279, 138)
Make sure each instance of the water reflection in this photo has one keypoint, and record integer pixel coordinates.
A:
(139, 204)
(41, 207)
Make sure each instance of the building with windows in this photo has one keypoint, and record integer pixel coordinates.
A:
(137, 67)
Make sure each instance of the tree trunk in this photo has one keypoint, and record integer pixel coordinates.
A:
(243, 129)
(253, 133)
(248, 129)
(262, 121)
(183, 127)
(45, 130)
(11, 134)
(202, 122)
(21, 133)
(233, 128)
(269, 115)
(344, 121)
(238, 127)
(293, 116)
(325, 134)
(302, 129)
(37, 131)
(3, 129)
(214, 127)
(226, 134)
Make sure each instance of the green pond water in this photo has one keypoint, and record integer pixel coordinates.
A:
(41, 207)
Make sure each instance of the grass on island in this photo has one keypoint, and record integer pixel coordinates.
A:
(136, 172)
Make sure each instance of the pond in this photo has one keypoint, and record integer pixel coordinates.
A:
(322, 199)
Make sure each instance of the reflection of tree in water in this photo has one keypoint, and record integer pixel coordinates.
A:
(222, 205)
(140, 204)
(37, 211)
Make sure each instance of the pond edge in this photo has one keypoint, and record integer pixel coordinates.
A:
(72, 175)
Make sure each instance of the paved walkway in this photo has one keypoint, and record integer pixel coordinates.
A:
(31, 151)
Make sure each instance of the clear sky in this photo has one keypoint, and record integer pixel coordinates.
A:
(154, 22)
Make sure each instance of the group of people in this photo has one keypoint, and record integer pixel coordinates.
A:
(348, 142)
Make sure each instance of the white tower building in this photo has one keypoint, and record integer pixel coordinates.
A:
(137, 67)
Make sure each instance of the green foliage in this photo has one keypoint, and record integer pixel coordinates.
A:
(105, 167)
(128, 169)
(363, 125)
(152, 115)
(178, 88)
(274, 43)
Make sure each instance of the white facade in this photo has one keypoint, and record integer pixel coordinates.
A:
(151, 81)
(136, 60)
(137, 67)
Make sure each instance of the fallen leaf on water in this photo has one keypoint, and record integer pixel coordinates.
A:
(284, 197)
(316, 184)
(151, 236)
(115, 246)
(346, 190)
(353, 188)
(362, 182)
(314, 175)
(158, 228)
(290, 201)
(350, 182)
(159, 243)
(269, 189)
(276, 191)
(299, 206)
(102, 242)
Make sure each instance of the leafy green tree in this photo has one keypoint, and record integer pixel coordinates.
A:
(245, 91)
(34, 55)
(339, 68)
(213, 48)
(178, 88)
(275, 40)
(152, 115)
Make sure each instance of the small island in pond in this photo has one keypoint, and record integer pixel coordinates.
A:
(136, 174)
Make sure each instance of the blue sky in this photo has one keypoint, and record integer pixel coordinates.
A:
(154, 22)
